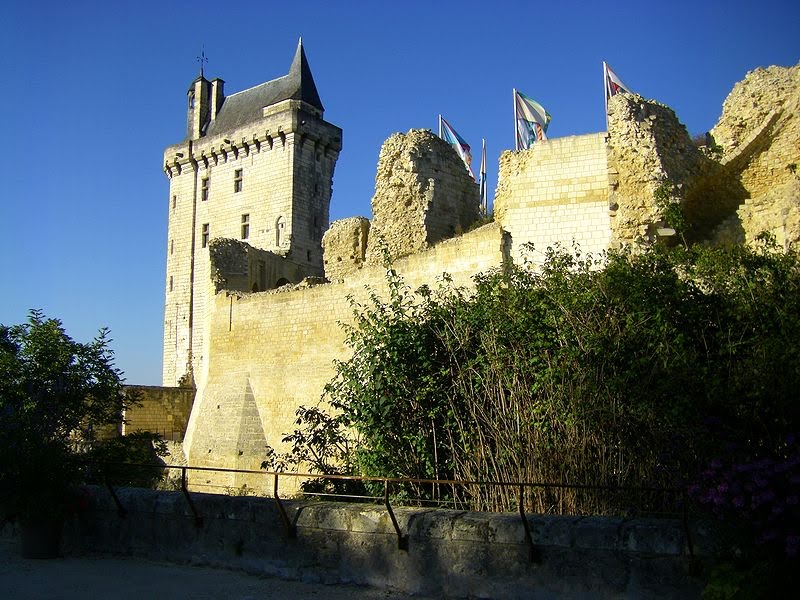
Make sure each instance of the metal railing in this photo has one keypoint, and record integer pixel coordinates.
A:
(680, 503)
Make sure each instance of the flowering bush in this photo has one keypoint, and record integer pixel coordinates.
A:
(761, 494)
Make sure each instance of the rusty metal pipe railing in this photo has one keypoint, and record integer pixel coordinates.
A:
(291, 528)
(121, 510)
(198, 520)
(402, 540)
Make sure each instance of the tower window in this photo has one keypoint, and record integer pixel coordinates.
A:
(279, 225)
(174, 201)
(170, 283)
(237, 180)
(245, 226)
(171, 246)
(204, 185)
(204, 236)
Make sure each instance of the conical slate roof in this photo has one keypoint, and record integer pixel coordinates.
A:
(246, 106)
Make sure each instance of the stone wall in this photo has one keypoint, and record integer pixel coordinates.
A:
(163, 410)
(450, 553)
(649, 148)
(272, 352)
(238, 266)
(758, 134)
(423, 194)
(555, 192)
(344, 247)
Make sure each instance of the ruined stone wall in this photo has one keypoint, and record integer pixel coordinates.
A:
(237, 266)
(163, 410)
(759, 137)
(344, 247)
(423, 194)
(648, 149)
(555, 192)
(272, 352)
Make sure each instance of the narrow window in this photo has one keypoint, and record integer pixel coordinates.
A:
(245, 226)
(204, 188)
(237, 180)
(279, 225)
(174, 201)
(171, 246)
(204, 237)
(170, 283)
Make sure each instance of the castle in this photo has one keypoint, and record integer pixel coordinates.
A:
(258, 282)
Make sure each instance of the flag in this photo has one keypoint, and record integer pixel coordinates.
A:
(531, 121)
(449, 135)
(484, 198)
(613, 83)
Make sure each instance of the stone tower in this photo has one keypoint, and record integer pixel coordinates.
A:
(255, 166)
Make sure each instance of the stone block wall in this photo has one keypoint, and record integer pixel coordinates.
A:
(453, 554)
(271, 352)
(555, 192)
(163, 410)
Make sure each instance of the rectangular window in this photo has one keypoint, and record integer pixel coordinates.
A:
(170, 283)
(174, 200)
(237, 180)
(245, 226)
(204, 188)
(204, 237)
(171, 246)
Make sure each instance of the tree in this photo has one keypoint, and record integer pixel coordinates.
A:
(55, 394)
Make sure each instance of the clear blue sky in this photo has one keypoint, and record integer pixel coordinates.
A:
(92, 92)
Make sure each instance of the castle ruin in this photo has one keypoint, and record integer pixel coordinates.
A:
(257, 282)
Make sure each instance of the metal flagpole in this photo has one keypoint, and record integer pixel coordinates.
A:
(484, 199)
(516, 133)
(440, 127)
(605, 90)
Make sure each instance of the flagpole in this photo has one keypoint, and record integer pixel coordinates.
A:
(484, 199)
(605, 91)
(516, 135)
(440, 126)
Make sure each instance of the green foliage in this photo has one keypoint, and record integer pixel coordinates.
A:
(670, 207)
(55, 393)
(623, 370)
(133, 460)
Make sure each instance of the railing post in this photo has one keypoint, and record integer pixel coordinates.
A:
(533, 554)
(694, 566)
(291, 528)
(121, 510)
(198, 520)
(402, 540)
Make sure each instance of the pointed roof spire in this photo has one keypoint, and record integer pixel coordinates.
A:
(302, 82)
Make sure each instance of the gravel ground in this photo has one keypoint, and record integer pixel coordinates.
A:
(107, 577)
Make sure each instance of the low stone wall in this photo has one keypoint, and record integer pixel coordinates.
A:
(450, 553)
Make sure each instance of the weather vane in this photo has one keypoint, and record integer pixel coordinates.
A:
(202, 59)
